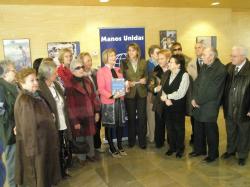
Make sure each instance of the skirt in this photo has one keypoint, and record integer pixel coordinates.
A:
(113, 115)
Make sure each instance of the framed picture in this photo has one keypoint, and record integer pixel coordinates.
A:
(208, 41)
(18, 51)
(55, 47)
(167, 38)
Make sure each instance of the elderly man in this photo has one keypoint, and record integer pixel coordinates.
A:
(193, 69)
(8, 94)
(237, 105)
(208, 90)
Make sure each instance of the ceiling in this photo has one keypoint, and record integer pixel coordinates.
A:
(234, 4)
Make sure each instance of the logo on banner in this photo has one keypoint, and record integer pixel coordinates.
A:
(119, 39)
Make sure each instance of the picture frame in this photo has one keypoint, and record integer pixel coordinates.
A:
(167, 38)
(54, 48)
(208, 41)
(18, 51)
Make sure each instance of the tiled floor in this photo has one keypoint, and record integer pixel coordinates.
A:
(152, 168)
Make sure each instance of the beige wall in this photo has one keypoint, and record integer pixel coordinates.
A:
(44, 24)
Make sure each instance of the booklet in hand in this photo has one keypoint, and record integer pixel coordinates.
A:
(118, 85)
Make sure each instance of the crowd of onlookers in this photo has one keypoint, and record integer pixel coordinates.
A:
(51, 116)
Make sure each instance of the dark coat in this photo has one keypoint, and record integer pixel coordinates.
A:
(44, 91)
(130, 75)
(158, 104)
(37, 142)
(208, 90)
(241, 94)
(8, 94)
(82, 105)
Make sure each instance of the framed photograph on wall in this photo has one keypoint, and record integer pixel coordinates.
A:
(167, 38)
(208, 41)
(55, 47)
(18, 51)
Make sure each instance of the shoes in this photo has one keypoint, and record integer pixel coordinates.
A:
(227, 155)
(169, 152)
(179, 155)
(92, 159)
(143, 147)
(242, 162)
(65, 176)
(115, 154)
(209, 160)
(122, 152)
(82, 162)
(194, 154)
(100, 150)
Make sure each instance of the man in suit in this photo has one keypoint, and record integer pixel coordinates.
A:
(208, 90)
(193, 69)
(151, 64)
(236, 103)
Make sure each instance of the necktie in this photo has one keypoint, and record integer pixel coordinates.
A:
(200, 62)
(236, 71)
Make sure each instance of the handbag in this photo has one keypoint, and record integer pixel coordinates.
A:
(79, 147)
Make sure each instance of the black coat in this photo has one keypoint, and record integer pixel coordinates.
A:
(208, 90)
(241, 93)
(158, 104)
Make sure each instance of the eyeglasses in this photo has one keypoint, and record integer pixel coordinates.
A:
(79, 67)
(177, 49)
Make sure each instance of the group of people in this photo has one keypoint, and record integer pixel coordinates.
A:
(49, 113)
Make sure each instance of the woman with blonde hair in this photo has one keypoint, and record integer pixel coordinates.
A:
(113, 109)
(65, 58)
(37, 144)
(134, 71)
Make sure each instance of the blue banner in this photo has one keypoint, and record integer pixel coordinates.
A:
(119, 38)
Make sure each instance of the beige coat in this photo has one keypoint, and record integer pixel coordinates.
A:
(192, 69)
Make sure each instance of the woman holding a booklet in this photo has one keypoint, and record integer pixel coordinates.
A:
(111, 87)
(135, 72)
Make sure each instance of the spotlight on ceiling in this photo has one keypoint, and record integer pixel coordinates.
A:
(103, 1)
(215, 3)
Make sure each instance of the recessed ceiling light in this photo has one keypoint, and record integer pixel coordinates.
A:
(104, 1)
(215, 3)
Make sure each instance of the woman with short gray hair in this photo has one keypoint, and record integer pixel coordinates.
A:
(53, 93)
(83, 107)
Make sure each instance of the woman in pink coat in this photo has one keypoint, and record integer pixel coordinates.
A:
(113, 109)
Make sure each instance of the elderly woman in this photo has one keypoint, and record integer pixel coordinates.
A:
(113, 109)
(90, 73)
(83, 107)
(134, 70)
(37, 143)
(64, 73)
(174, 91)
(155, 86)
(52, 92)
